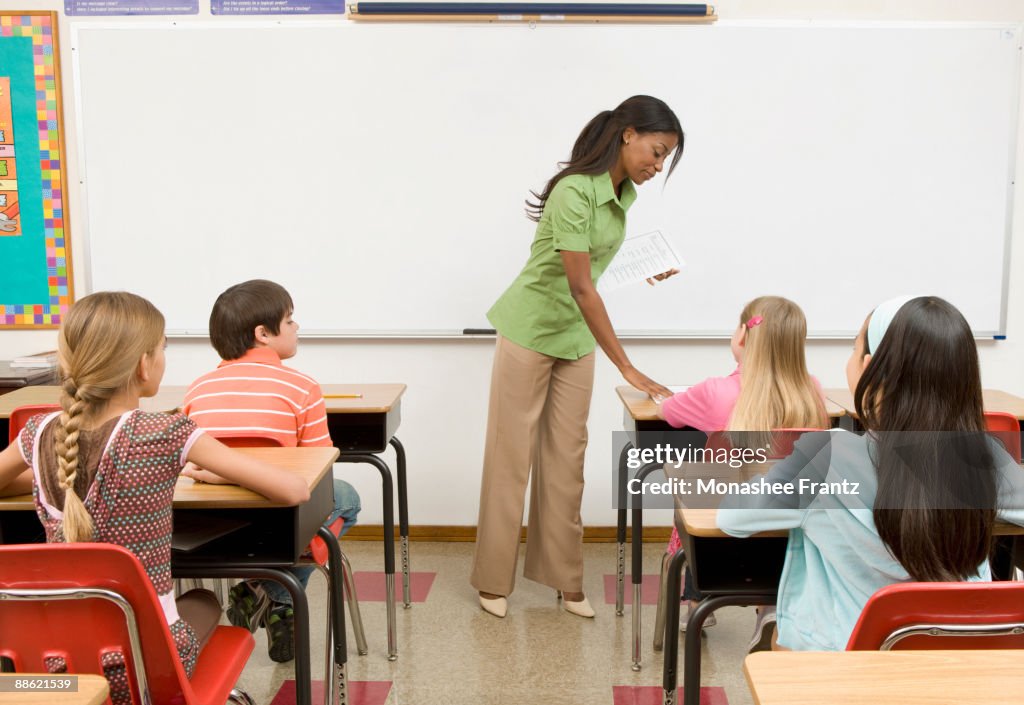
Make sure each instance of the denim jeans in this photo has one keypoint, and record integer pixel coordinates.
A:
(689, 591)
(346, 506)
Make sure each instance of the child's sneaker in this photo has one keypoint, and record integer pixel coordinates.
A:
(685, 618)
(763, 630)
(280, 624)
(247, 606)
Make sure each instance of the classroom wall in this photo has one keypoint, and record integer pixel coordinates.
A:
(444, 410)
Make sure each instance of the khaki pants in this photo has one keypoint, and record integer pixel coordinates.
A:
(537, 431)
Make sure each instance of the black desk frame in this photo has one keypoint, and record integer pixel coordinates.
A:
(361, 437)
(642, 434)
(753, 580)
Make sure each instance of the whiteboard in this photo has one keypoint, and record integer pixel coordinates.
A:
(378, 171)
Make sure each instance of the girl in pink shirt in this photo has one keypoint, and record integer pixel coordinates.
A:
(774, 390)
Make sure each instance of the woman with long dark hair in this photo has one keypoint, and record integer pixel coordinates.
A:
(548, 321)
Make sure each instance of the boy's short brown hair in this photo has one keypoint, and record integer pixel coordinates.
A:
(240, 309)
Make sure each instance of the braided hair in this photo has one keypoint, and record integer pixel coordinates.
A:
(101, 341)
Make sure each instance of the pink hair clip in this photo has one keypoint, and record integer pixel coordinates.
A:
(755, 321)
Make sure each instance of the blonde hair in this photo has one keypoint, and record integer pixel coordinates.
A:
(100, 343)
(776, 390)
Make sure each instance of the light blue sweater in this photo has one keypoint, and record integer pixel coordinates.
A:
(835, 559)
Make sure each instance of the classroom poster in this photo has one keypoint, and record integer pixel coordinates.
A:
(277, 7)
(35, 284)
(10, 223)
(131, 7)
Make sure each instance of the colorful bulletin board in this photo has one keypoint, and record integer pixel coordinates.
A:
(35, 261)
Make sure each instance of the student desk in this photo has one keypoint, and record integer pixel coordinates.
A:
(361, 427)
(91, 690)
(730, 572)
(271, 539)
(12, 378)
(992, 400)
(978, 677)
(645, 429)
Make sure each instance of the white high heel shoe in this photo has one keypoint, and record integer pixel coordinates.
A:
(580, 609)
(497, 606)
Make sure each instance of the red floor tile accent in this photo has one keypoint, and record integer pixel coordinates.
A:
(359, 692)
(648, 590)
(370, 586)
(651, 695)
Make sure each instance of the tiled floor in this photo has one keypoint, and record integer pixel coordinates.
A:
(451, 652)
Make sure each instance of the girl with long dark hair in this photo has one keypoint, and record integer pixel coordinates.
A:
(915, 498)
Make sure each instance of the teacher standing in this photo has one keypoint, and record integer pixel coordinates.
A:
(547, 322)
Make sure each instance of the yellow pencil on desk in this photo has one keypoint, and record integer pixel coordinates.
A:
(343, 396)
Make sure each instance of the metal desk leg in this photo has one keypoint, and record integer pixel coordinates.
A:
(338, 685)
(637, 569)
(403, 519)
(389, 539)
(300, 608)
(673, 593)
(620, 532)
(353, 607)
(659, 615)
(692, 655)
(637, 564)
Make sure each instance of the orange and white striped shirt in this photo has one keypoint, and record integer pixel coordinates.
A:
(257, 395)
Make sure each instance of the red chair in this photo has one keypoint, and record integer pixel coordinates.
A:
(923, 616)
(91, 608)
(245, 440)
(317, 549)
(21, 415)
(1006, 430)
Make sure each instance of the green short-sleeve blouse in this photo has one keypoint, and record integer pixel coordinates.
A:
(582, 214)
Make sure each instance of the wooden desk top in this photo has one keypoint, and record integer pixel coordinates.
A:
(642, 408)
(39, 394)
(376, 398)
(310, 463)
(167, 399)
(977, 677)
(701, 522)
(92, 690)
(993, 400)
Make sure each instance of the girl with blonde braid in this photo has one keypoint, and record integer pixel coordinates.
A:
(102, 470)
(774, 391)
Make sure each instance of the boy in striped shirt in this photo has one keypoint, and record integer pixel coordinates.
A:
(251, 393)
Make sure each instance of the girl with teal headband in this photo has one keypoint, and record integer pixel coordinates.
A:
(911, 512)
